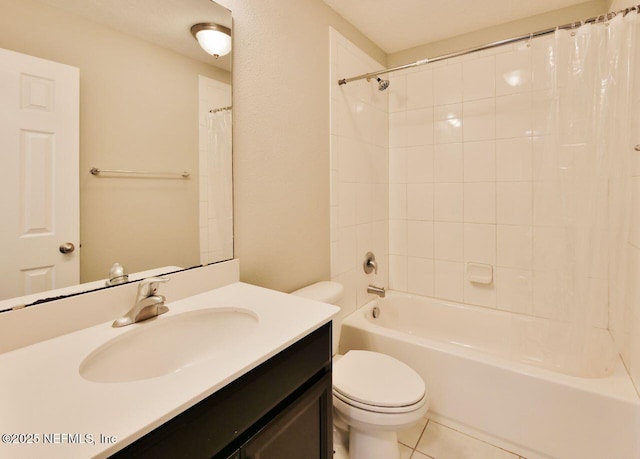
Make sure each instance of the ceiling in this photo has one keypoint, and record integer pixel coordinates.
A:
(396, 25)
(166, 23)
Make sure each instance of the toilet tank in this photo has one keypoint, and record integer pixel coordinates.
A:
(326, 292)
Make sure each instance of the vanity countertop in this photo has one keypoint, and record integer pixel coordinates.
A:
(50, 410)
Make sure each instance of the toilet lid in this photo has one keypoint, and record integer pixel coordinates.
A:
(377, 379)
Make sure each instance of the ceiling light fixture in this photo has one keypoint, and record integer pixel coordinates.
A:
(213, 38)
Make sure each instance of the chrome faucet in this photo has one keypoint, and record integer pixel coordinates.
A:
(117, 275)
(148, 303)
(376, 290)
(370, 265)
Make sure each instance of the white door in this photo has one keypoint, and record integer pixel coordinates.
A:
(39, 197)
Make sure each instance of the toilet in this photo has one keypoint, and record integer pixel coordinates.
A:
(374, 394)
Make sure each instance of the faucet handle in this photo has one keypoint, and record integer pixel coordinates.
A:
(370, 265)
(149, 286)
(117, 275)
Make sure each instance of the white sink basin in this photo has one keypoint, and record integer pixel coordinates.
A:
(168, 344)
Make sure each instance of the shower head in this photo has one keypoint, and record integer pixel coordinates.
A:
(382, 84)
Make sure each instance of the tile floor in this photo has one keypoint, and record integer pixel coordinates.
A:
(432, 440)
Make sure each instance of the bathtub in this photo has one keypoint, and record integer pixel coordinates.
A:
(506, 378)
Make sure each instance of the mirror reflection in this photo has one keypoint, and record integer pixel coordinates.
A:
(124, 88)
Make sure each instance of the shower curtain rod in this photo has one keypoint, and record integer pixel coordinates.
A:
(506, 41)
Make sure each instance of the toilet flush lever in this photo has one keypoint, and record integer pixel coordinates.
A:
(370, 263)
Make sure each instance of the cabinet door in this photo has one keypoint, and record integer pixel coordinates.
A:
(303, 430)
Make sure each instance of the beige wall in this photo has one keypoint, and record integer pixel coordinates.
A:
(138, 110)
(501, 32)
(281, 138)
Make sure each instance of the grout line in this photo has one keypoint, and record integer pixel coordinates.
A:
(424, 429)
(415, 448)
(477, 439)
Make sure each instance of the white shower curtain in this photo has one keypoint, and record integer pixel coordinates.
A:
(220, 157)
(220, 202)
(582, 193)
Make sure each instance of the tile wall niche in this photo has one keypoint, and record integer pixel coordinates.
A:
(468, 175)
(359, 173)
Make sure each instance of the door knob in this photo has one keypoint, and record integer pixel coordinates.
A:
(67, 247)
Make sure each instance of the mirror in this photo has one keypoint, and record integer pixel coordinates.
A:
(146, 90)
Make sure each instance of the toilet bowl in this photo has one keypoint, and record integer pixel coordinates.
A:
(374, 395)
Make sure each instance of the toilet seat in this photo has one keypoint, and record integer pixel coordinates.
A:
(381, 409)
(378, 383)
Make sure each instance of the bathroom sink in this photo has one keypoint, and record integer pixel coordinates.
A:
(168, 344)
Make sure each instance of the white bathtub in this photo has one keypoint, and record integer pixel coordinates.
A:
(485, 371)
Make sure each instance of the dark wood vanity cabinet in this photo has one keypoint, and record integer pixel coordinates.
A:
(279, 410)
(297, 432)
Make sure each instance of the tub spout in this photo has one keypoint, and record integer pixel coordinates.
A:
(380, 291)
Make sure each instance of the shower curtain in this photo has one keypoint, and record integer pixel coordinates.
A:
(220, 189)
(220, 156)
(582, 187)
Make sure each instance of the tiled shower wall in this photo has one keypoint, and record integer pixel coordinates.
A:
(467, 175)
(468, 178)
(359, 173)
